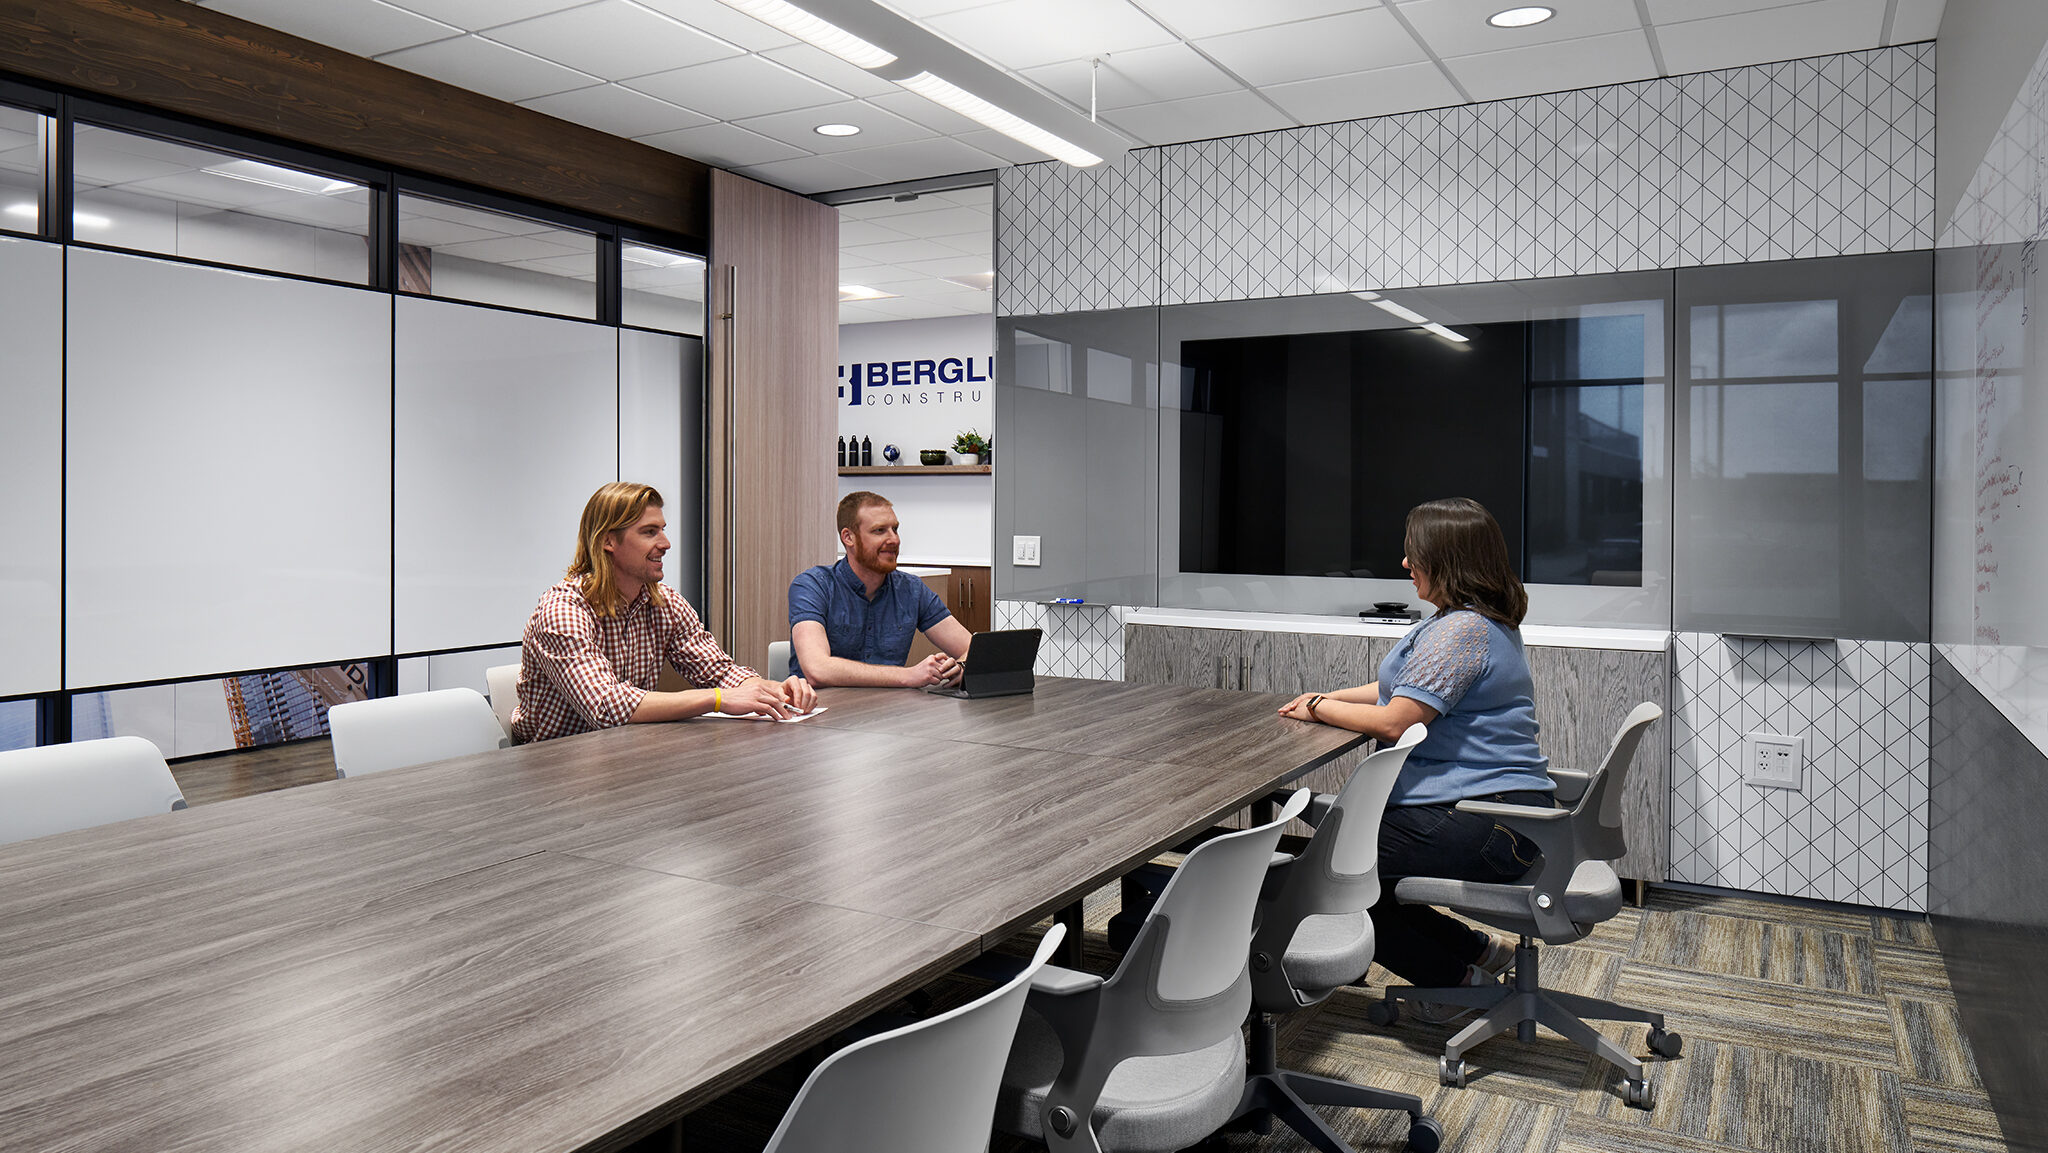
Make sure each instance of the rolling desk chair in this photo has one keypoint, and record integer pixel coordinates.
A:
(58, 788)
(1152, 1059)
(393, 732)
(929, 1087)
(1314, 937)
(502, 681)
(1570, 890)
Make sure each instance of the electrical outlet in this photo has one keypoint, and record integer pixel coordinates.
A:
(1771, 760)
(1024, 550)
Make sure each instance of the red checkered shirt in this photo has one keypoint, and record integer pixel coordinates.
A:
(579, 671)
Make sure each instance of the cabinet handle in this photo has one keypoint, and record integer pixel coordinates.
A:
(1240, 673)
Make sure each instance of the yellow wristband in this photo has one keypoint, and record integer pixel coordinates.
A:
(717, 699)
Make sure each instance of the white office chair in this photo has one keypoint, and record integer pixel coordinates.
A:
(58, 788)
(925, 1088)
(503, 684)
(778, 662)
(1153, 1058)
(393, 732)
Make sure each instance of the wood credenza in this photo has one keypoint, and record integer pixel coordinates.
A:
(1582, 695)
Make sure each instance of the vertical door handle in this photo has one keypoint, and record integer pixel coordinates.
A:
(732, 529)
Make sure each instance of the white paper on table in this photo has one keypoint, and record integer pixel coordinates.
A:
(789, 720)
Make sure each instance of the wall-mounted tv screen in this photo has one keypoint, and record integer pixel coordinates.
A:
(1301, 454)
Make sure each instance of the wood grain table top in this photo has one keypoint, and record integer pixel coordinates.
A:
(560, 946)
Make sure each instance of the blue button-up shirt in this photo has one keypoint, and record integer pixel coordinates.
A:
(874, 632)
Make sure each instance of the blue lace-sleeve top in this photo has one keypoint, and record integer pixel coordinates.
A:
(1473, 672)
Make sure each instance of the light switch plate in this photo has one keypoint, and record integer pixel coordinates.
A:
(1773, 760)
(1024, 551)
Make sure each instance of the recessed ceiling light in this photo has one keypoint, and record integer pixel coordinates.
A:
(852, 292)
(1521, 17)
(837, 130)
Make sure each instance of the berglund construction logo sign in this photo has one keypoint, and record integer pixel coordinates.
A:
(915, 383)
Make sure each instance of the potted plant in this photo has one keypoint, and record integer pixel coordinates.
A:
(971, 443)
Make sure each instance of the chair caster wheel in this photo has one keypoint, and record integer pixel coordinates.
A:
(1639, 1094)
(1383, 1012)
(1450, 1072)
(1425, 1135)
(1666, 1045)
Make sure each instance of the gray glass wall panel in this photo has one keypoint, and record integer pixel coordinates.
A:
(1077, 403)
(1805, 503)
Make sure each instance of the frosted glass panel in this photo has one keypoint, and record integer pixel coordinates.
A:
(462, 253)
(31, 464)
(21, 168)
(661, 417)
(661, 288)
(228, 501)
(506, 424)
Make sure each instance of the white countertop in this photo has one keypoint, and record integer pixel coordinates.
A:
(1548, 636)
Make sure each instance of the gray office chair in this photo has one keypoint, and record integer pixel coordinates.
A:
(1315, 937)
(929, 1087)
(58, 788)
(393, 732)
(777, 669)
(1570, 890)
(502, 682)
(1152, 1059)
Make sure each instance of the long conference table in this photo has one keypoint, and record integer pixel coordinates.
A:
(568, 945)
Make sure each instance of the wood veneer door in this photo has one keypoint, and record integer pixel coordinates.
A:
(970, 598)
(1582, 696)
(774, 339)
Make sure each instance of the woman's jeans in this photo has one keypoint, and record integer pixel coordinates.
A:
(1417, 943)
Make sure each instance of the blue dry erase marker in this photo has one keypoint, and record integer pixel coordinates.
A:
(1068, 601)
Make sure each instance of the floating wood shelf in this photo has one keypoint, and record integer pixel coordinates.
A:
(917, 470)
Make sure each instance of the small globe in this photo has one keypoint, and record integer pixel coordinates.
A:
(890, 453)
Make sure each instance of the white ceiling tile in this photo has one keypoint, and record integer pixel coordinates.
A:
(1615, 58)
(897, 252)
(998, 145)
(943, 220)
(922, 308)
(738, 87)
(476, 15)
(723, 146)
(798, 129)
(1204, 117)
(1916, 20)
(826, 68)
(1331, 46)
(958, 264)
(728, 24)
(919, 9)
(869, 312)
(1196, 19)
(918, 110)
(1813, 29)
(1142, 76)
(1020, 34)
(1459, 27)
(364, 29)
(619, 111)
(919, 158)
(806, 174)
(1381, 92)
(981, 243)
(612, 39)
(488, 67)
(1674, 11)
(854, 232)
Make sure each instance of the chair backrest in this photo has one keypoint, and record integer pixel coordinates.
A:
(393, 732)
(1355, 839)
(925, 1088)
(778, 662)
(1596, 819)
(1201, 926)
(58, 788)
(503, 683)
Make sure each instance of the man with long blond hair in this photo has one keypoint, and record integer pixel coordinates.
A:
(594, 647)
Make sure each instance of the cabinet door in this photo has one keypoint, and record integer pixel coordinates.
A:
(1582, 696)
(943, 584)
(1169, 655)
(970, 599)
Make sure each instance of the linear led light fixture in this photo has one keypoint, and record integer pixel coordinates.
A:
(813, 30)
(655, 258)
(283, 179)
(951, 96)
(1410, 315)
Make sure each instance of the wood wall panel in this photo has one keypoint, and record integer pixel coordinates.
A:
(774, 342)
(178, 57)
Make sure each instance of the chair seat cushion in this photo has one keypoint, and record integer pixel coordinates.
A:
(1329, 950)
(1593, 896)
(1149, 1105)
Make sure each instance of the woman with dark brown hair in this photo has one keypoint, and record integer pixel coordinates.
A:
(1462, 672)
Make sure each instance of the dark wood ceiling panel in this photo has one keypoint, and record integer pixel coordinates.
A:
(179, 57)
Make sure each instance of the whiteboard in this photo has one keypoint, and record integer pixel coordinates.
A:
(228, 488)
(31, 465)
(506, 423)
